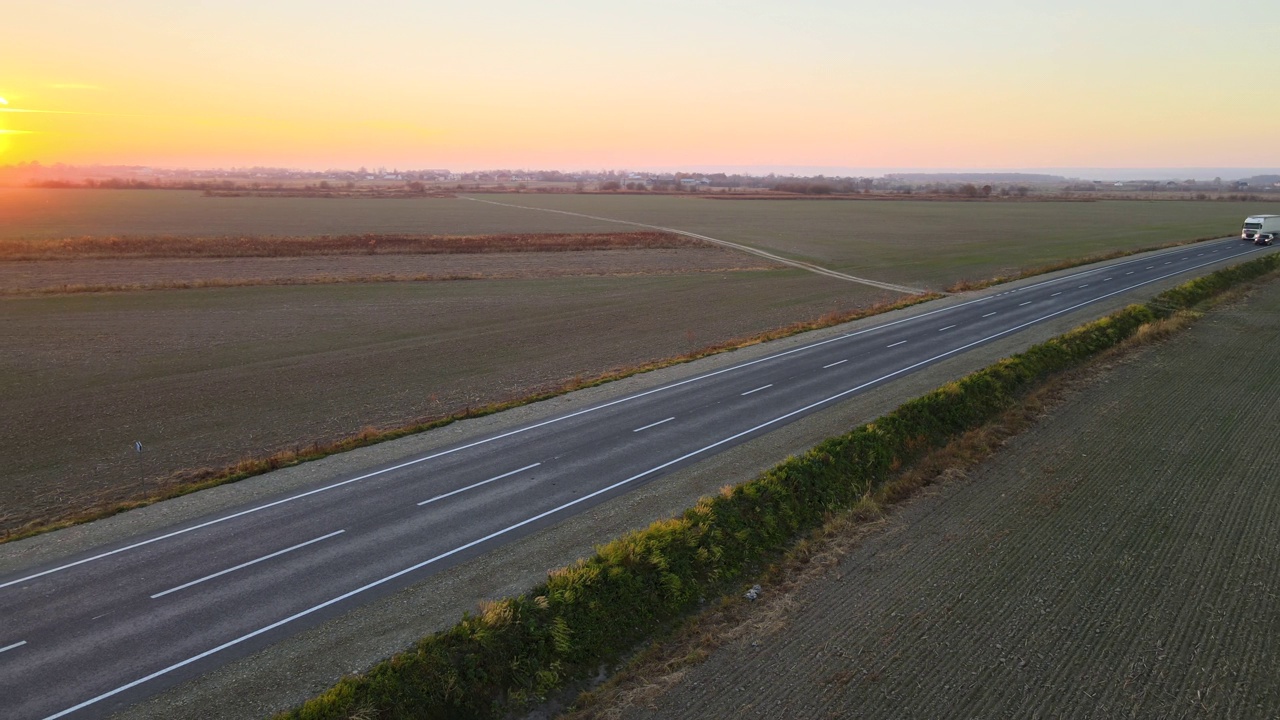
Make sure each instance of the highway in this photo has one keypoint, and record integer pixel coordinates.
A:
(93, 632)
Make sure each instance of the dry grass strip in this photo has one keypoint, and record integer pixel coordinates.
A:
(289, 246)
(963, 285)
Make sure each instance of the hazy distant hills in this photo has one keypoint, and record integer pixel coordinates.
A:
(989, 175)
(1262, 180)
(1256, 177)
(976, 177)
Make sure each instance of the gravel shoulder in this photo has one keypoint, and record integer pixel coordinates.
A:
(1118, 560)
(296, 668)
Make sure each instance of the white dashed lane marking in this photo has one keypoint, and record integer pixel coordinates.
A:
(653, 425)
(482, 482)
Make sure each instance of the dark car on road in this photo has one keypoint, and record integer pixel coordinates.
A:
(1264, 238)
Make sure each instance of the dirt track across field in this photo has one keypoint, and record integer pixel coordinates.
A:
(1119, 560)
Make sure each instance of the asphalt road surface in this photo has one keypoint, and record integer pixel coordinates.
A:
(96, 631)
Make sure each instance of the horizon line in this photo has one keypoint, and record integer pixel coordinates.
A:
(749, 169)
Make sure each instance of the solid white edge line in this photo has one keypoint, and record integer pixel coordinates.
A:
(6, 648)
(495, 438)
(584, 498)
(247, 564)
(482, 482)
(1111, 266)
(838, 362)
(762, 387)
(652, 425)
(560, 418)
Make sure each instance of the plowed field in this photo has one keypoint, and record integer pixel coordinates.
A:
(18, 278)
(923, 244)
(204, 378)
(1119, 560)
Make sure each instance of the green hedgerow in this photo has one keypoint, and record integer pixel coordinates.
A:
(518, 650)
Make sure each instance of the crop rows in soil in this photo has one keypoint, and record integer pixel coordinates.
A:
(922, 244)
(1117, 560)
(205, 378)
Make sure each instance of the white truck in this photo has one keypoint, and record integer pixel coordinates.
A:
(1255, 225)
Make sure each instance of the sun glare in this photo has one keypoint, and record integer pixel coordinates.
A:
(5, 133)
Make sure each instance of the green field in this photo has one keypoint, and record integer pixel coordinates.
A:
(921, 243)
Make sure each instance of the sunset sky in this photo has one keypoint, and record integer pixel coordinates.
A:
(652, 84)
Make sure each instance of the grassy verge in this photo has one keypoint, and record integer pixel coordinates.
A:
(323, 279)
(963, 285)
(518, 650)
(369, 244)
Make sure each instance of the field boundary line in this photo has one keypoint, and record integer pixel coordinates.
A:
(723, 243)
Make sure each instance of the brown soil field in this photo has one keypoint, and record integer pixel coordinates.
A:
(163, 246)
(79, 275)
(208, 377)
(1117, 560)
(927, 244)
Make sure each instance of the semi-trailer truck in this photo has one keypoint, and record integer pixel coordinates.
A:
(1256, 224)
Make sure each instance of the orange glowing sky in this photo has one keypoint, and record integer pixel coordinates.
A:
(660, 83)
